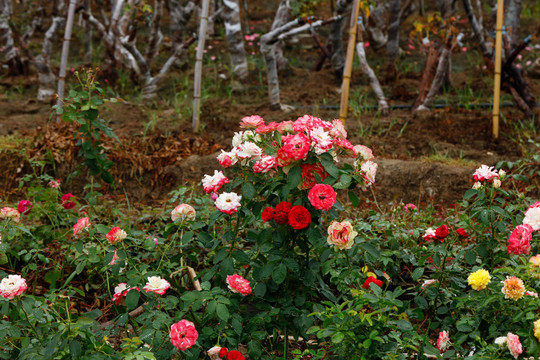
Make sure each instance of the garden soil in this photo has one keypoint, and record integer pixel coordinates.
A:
(425, 157)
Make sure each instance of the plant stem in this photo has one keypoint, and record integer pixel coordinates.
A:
(286, 344)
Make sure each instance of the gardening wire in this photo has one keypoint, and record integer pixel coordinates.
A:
(401, 106)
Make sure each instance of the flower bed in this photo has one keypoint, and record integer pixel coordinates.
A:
(272, 251)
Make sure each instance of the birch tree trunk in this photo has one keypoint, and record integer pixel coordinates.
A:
(268, 50)
(282, 17)
(156, 36)
(335, 39)
(478, 29)
(233, 30)
(46, 78)
(511, 20)
(392, 46)
(87, 36)
(373, 81)
(198, 67)
(179, 18)
(376, 26)
(65, 52)
(12, 56)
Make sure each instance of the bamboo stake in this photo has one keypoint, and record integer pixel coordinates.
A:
(198, 66)
(348, 63)
(497, 85)
(65, 52)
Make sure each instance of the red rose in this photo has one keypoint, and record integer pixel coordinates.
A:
(299, 217)
(24, 207)
(312, 174)
(322, 196)
(370, 280)
(267, 214)
(442, 232)
(461, 232)
(66, 203)
(281, 215)
(223, 352)
(235, 355)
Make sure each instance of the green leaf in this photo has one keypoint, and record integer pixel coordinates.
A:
(353, 198)
(417, 273)
(338, 337)
(344, 182)
(279, 274)
(470, 256)
(404, 325)
(248, 190)
(470, 193)
(132, 299)
(222, 312)
(328, 164)
(294, 177)
(371, 250)
(102, 229)
(463, 327)
(260, 290)
(421, 302)
(254, 349)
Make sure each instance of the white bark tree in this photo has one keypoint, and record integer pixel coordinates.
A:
(12, 55)
(235, 38)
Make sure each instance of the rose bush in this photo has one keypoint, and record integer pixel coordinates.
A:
(280, 248)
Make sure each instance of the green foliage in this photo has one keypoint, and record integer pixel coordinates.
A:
(81, 106)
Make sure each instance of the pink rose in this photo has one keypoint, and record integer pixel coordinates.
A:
(183, 335)
(443, 342)
(514, 345)
(520, 240)
(265, 164)
(322, 141)
(363, 152)
(322, 196)
(228, 203)
(251, 122)
(82, 224)
(157, 285)
(54, 183)
(429, 235)
(115, 235)
(10, 214)
(183, 211)
(485, 172)
(341, 235)
(13, 285)
(410, 207)
(215, 182)
(227, 159)
(120, 292)
(24, 207)
(238, 284)
(369, 170)
(338, 130)
(295, 147)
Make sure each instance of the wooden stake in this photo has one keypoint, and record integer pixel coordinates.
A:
(497, 85)
(348, 63)
(65, 52)
(198, 66)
